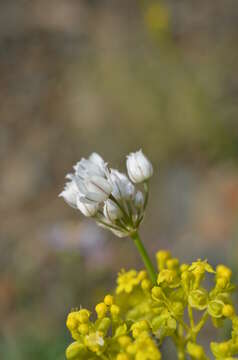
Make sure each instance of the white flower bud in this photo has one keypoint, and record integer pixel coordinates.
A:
(139, 200)
(111, 211)
(70, 193)
(139, 167)
(88, 210)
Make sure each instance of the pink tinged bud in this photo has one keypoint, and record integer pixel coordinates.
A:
(139, 167)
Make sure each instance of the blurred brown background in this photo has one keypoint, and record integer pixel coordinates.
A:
(109, 76)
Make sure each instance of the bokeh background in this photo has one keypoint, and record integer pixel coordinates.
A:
(109, 76)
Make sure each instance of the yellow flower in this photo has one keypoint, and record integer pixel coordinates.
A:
(101, 310)
(108, 300)
(126, 281)
(162, 256)
(94, 342)
(223, 271)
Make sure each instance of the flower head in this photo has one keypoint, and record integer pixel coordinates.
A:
(139, 167)
(108, 195)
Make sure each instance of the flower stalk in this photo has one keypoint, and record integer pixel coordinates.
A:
(145, 257)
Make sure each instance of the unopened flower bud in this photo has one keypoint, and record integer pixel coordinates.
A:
(139, 200)
(196, 351)
(139, 167)
(104, 325)
(101, 310)
(172, 263)
(115, 310)
(223, 271)
(108, 300)
(162, 256)
(83, 329)
(124, 341)
(74, 350)
(228, 310)
(71, 322)
(83, 316)
(111, 211)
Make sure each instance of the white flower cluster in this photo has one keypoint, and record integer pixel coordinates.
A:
(109, 195)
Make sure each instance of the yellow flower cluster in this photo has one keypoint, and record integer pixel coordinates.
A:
(127, 281)
(132, 324)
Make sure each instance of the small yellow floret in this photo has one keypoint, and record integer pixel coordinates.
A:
(127, 280)
(172, 263)
(138, 327)
(83, 316)
(223, 271)
(131, 349)
(122, 356)
(184, 267)
(115, 310)
(146, 284)
(162, 256)
(108, 300)
(101, 310)
(228, 310)
(224, 347)
(71, 321)
(83, 329)
(124, 341)
(142, 275)
(196, 351)
(94, 341)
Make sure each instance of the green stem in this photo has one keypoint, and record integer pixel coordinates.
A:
(201, 323)
(146, 188)
(190, 314)
(121, 208)
(148, 264)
